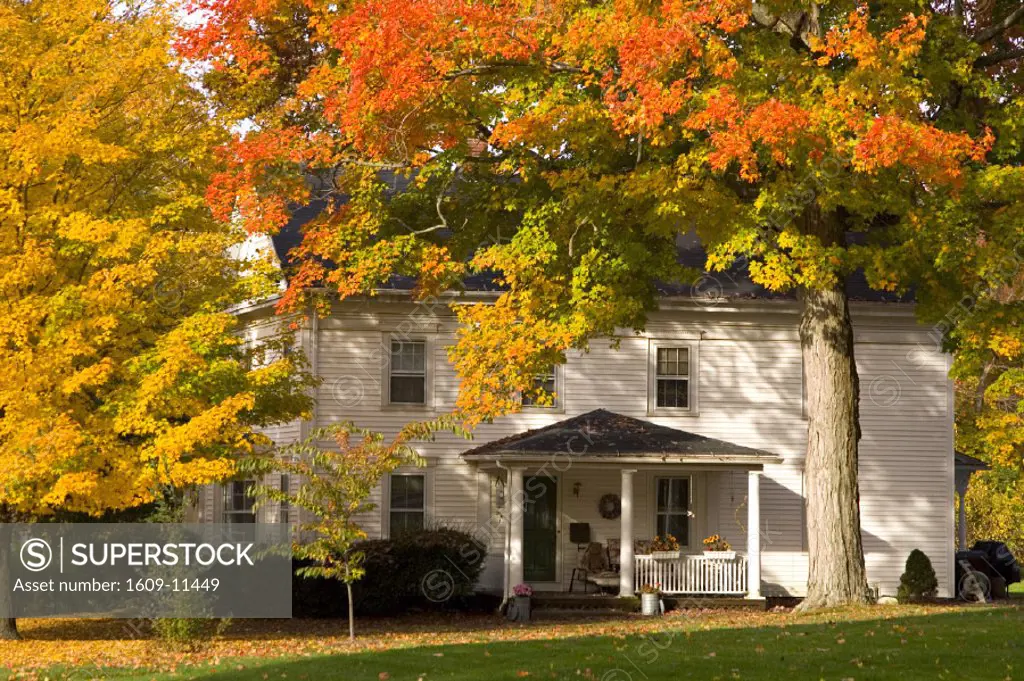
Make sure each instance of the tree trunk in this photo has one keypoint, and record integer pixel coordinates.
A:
(351, 613)
(9, 629)
(8, 625)
(837, 575)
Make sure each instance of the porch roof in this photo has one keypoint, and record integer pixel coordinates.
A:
(601, 435)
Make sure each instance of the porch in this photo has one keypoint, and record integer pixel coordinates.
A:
(625, 481)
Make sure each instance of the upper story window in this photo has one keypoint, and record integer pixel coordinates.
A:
(672, 378)
(238, 502)
(673, 510)
(548, 383)
(285, 507)
(407, 372)
(407, 505)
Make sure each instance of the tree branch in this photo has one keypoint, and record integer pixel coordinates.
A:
(491, 67)
(996, 29)
(998, 57)
(800, 26)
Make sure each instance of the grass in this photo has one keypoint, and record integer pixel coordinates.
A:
(1017, 588)
(896, 642)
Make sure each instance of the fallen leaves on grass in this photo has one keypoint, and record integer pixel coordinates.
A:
(109, 644)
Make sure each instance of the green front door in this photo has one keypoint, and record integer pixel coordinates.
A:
(540, 529)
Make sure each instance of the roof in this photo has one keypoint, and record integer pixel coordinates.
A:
(604, 435)
(965, 462)
(735, 283)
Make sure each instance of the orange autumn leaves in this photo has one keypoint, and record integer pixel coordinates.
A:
(539, 108)
(848, 119)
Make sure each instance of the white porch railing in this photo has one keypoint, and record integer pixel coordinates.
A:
(693, 574)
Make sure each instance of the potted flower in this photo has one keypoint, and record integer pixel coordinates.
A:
(716, 547)
(664, 548)
(519, 608)
(650, 599)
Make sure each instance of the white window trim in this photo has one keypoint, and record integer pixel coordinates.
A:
(224, 496)
(559, 404)
(428, 365)
(692, 525)
(652, 378)
(428, 498)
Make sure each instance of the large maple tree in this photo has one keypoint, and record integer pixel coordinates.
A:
(564, 144)
(123, 377)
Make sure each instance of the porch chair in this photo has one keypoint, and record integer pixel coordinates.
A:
(592, 568)
(640, 547)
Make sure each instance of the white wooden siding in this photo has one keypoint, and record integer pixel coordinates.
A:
(749, 392)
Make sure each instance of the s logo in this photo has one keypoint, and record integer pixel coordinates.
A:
(36, 555)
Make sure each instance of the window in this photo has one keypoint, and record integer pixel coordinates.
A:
(672, 378)
(673, 515)
(407, 504)
(407, 380)
(238, 502)
(548, 383)
(286, 506)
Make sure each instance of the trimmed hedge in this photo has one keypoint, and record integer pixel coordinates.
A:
(429, 570)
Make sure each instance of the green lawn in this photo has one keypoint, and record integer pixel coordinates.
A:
(1017, 588)
(975, 643)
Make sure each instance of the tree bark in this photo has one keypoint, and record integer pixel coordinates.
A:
(351, 613)
(836, 575)
(8, 625)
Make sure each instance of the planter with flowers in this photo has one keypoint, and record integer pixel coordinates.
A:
(650, 600)
(665, 548)
(519, 608)
(716, 547)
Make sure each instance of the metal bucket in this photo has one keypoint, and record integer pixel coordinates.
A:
(650, 604)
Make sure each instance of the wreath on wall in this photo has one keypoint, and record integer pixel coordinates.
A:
(610, 506)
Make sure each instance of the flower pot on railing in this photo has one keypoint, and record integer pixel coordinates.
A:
(665, 555)
(724, 555)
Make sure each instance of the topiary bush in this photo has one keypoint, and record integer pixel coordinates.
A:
(918, 581)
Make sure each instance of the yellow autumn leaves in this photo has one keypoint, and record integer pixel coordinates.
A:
(121, 376)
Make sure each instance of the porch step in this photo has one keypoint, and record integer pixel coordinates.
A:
(563, 601)
(612, 604)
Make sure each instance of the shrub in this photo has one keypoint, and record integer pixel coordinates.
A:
(188, 633)
(316, 596)
(918, 580)
(431, 569)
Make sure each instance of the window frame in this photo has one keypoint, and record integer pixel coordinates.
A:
(692, 377)
(690, 525)
(428, 372)
(388, 508)
(558, 405)
(228, 496)
(284, 507)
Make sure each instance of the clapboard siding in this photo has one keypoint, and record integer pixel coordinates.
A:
(749, 391)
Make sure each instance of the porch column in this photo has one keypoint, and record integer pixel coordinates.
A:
(961, 491)
(754, 534)
(517, 500)
(626, 561)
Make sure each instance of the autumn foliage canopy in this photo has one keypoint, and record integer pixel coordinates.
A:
(122, 375)
(563, 145)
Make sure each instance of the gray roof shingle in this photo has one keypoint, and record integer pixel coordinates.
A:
(604, 434)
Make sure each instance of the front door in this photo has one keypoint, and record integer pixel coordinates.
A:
(540, 529)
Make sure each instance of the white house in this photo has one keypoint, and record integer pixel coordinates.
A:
(694, 427)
